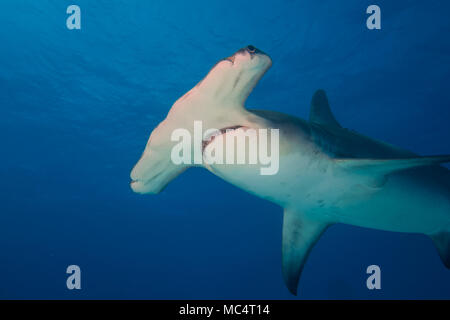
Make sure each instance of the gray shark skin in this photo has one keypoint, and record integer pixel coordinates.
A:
(327, 174)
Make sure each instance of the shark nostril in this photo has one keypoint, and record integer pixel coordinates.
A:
(231, 59)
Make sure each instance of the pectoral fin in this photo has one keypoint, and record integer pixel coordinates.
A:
(442, 243)
(299, 236)
(386, 166)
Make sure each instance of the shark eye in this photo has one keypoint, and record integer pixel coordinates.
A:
(251, 49)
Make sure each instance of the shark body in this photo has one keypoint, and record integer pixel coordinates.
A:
(327, 174)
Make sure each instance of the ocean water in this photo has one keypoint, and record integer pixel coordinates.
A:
(77, 107)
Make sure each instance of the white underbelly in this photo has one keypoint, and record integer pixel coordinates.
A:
(403, 204)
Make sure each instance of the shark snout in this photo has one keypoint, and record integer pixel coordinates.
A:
(152, 173)
(137, 186)
(143, 173)
(142, 184)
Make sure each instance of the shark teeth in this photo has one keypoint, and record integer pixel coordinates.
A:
(213, 135)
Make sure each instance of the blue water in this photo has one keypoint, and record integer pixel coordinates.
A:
(77, 107)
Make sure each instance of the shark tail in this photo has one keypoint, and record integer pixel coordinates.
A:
(442, 242)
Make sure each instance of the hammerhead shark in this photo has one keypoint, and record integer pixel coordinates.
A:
(327, 173)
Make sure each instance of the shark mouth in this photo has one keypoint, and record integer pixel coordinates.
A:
(211, 138)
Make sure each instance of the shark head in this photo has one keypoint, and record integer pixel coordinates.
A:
(218, 101)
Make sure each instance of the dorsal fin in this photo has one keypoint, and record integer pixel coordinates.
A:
(320, 110)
